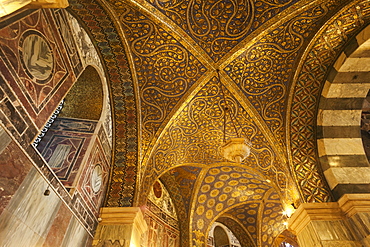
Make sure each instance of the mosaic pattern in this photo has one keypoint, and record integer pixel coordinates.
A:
(238, 230)
(197, 133)
(123, 177)
(272, 222)
(163, 82)
(218, 26)
(306, 93)
(223, 188)
(246, 214)
(263, 71)
(159, 233)
(185, 178)
(85, 99)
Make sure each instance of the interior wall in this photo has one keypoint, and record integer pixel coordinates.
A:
(42, 54)
(161, 218)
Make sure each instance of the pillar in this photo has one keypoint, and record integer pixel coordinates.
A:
(345, 223)
(120, 227)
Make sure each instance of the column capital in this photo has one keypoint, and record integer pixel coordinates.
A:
(352, 204)
(123, 215)
(308, 212)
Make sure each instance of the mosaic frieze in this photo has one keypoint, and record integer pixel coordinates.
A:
(165, 69)
(264, 69)
(159, 233)
(218, 26)
(109, 44)
(316, 63)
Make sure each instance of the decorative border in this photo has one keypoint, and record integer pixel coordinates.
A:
(101, 27)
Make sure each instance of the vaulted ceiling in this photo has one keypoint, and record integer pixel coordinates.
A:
(161, 59)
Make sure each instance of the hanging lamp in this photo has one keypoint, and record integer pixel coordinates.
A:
(235, 149)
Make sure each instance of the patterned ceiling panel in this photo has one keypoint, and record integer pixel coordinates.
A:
(218, 26)
(272, 220)
(306, 92)
(197, 133)
(165, 69)
(271, 224)
(264, 69)
(247, 215)
(222, 188)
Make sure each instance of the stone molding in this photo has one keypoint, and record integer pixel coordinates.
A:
(352, 204)
(347, 206)
(308, 212)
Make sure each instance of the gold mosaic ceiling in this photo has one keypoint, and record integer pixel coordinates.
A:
(174, 49)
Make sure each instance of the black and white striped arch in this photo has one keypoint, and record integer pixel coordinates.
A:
(340, 147)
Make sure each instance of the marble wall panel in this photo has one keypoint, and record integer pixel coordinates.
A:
(59, 227)
(22, 104)
(14, 166)
(106, 144)
(94, 178)
(29, 214)
(62, 20)
(4, 139)
(39, 85)
(64, 147)
(76, 235)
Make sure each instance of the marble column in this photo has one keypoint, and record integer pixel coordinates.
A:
(120, 227)
(323, 225)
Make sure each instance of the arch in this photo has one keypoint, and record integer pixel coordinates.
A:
(340, 146)
(305, 93)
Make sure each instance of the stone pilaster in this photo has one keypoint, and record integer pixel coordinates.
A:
(120, 227)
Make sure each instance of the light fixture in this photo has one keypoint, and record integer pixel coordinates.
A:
(235, 149)
(288, 210)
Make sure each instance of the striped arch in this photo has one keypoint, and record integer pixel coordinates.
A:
(340, 147)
